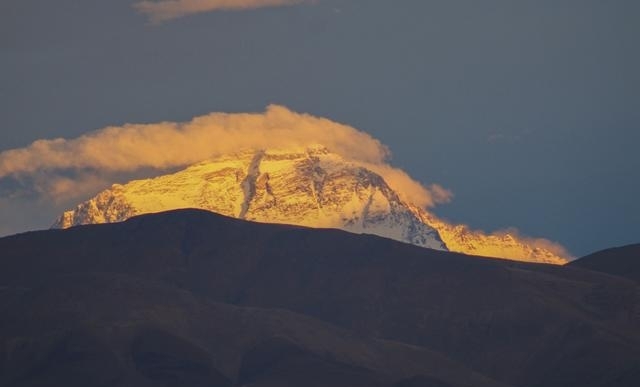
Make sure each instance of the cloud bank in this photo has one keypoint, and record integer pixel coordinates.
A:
(61, 167)
(159, 11)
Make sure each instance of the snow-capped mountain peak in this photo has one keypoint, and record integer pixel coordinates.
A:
(306, 186)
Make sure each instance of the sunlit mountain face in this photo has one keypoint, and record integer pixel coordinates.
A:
(308, 186)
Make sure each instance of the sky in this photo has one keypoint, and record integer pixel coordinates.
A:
(528, 112)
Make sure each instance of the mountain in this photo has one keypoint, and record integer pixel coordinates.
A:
(193, 296)
(621, 261)
(508, 244)
(106, 329)
(309, 187)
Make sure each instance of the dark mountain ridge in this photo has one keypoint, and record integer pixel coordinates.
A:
(622, 261)
(522, 324)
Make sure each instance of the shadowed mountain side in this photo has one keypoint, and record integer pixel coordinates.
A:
(525, 324)
(621, 261)
(115, 330)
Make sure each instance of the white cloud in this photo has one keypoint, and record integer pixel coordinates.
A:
(60, 167)
(159, 11)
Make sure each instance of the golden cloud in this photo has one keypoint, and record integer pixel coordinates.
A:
(159, 11)
(166, 145)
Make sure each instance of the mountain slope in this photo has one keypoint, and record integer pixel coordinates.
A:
(507, 244)
(107, 329)
(523, 324)
(621, 261)
(309, 187)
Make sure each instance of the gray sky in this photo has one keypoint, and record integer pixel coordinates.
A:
(529, 111)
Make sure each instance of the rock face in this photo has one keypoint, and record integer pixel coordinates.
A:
(309, 187)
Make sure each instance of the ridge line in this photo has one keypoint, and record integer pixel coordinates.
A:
(249, 183)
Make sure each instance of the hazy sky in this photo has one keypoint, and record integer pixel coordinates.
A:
(528, 111)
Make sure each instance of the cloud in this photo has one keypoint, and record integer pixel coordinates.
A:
(536, 243)
(409, 189)
(159, 11)
(63, 167)
(546, 244)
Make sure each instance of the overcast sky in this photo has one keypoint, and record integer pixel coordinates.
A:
(528, 111)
